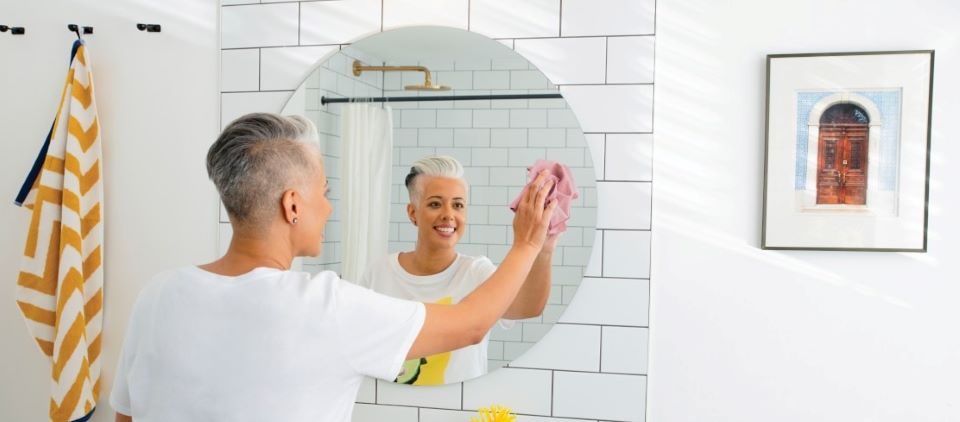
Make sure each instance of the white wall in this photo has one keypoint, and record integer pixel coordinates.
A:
(741, 334)
(158, 104)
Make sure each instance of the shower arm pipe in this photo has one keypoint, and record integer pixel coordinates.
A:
(325, 100)
(359, 68)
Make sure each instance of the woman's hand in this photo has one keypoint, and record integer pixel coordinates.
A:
(532, 218)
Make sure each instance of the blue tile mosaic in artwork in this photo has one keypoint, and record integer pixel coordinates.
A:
(887, 101)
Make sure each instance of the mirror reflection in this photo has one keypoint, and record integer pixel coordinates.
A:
(423, 185)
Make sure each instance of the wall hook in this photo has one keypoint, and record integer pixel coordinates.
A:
(14, 30)
(149, 27)
(76, 29)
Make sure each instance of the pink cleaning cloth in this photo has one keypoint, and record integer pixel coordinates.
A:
(564, 191)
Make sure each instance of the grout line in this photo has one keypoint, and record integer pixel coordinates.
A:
(578, 36)
(606, 61)
(257, 3)
(602, 246)
(600, 364)
(604, 146)
(560, 18)
(608, 84)
(574, 371)
(584, 324)
(621, 180)
(446, 409)
(553, 382)
(260, 91)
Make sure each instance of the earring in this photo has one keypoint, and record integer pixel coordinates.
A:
(294, 220)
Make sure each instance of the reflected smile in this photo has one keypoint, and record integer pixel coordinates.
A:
(445, 230)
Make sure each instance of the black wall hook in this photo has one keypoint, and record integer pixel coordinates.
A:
(149, 27)
(14, 30)
(76, 29)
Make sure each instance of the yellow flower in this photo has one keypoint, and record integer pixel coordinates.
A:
(495, 413)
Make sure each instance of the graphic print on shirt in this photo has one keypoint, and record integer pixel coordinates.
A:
(429, 370)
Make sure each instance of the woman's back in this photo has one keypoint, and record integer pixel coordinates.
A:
(266, 345)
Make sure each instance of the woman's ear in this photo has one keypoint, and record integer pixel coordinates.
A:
(290, 201)
(411, 213)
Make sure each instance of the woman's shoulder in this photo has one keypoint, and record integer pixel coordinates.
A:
(478, 262)
(472, 259)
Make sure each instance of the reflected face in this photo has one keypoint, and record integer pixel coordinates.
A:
(315, 213)
(440, 213)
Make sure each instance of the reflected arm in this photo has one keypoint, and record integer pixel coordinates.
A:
(533, 296)
(450, 327)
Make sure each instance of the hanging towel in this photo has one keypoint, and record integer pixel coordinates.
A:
(60, 285)
(564, 191)
(365, 169)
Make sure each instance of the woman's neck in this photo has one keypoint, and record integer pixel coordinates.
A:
(246, 253)
(424, 261)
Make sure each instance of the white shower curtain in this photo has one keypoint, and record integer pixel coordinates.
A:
(366, 132)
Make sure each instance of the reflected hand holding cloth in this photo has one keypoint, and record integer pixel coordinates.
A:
(564, 191)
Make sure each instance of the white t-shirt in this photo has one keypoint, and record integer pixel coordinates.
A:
(269, 345)
(446, 287)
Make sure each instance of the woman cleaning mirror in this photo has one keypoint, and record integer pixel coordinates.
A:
(494, 141)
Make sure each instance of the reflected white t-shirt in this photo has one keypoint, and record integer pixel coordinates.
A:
(446, 287)
(269, 345)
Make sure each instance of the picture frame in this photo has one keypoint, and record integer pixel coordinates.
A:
(847, 151)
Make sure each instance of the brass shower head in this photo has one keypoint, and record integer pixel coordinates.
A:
(427, 85)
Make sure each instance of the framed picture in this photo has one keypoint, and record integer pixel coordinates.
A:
(847, 151)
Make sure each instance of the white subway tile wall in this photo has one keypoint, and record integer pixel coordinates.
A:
(592, 364)
(259, 25)
(285, 68)
(514, 19)
(612, 108)
(338, 22)
(524, 390)
(608, 17)
(240, 70)
(630, 59)
(369, 412)
(399, 13)
(611, 396)
(554, 55)
(625, 350)
(236, 104)
(440, 396)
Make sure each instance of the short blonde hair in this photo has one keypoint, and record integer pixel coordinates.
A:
(434, 166)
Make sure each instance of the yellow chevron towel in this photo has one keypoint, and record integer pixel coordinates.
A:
(60, 285)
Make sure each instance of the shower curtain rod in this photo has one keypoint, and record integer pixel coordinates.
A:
(325, 100)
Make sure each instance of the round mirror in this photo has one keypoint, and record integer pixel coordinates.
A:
(396, 97)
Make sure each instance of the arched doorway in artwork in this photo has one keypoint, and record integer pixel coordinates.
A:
(843, 155)
(833, 121)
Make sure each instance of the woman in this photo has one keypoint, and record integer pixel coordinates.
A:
(435, 273)
(245, 338)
